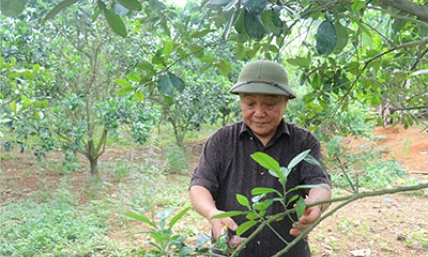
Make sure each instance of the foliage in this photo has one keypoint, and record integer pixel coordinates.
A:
(56, 228)
(165, 242)
(322, 121)
(67, 99)
(350, 49)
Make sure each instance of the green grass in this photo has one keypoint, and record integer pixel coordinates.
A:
(55, 228)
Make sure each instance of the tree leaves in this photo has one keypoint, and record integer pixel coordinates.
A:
(342, 37)
(58, 8)
(254, 7)
(254, 26)
(168, 82)
(266, 161)
(134, 5)
(115, 22)
(326, 38)
(12, 8)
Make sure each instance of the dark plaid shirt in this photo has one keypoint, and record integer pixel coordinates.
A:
(226, 169)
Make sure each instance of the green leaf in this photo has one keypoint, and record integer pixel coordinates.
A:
(168, 99)
(265, 161)
(333, 147)
(257, 198)
(303, 62)
(200, 34)
(122, 82)
(224, 67)
(125, 90)
(264, 191)
(165, 213)
(358, 5)
(139, 96)
(254, 7)
(167, 49)
(133, 77)
(300, 207)
(178, 216)
(12, 8)
(229, 24)
(251, 216)
(245, 226)
(254, 26)
(145, 65)
(59, 7)
(263, 205)
(326, 38)
(115, 22)
(310, 159)
(12, 106)
(26, 102)
(292, 199)
(342, 37)
(297, 159)
(165, 85)
(42, 104)
(140, 218)
(177, 82)
(202, 239)
(131, 4)
(242, 200)
(228, 214)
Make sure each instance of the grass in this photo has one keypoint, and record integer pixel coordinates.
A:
(54, 228)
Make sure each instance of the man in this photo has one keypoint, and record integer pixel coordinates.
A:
(226, 168)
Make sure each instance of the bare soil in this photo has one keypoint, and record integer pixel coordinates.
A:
(388, 225)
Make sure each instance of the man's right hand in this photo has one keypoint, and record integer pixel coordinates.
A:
(217, 225)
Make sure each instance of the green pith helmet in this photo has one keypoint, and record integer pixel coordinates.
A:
(263, 77)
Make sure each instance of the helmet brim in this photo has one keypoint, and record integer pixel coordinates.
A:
(262, 87)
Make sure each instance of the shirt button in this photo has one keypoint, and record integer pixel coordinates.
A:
(262, 173)
(251, 138)
(258, 242)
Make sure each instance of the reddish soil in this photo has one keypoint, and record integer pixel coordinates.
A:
(388, 225)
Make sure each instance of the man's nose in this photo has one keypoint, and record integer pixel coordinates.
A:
(259, 111)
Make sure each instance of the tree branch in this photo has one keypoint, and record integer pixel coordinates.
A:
(418, 10)
(345, 201)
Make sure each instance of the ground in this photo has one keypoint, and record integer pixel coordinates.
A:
(388, 225)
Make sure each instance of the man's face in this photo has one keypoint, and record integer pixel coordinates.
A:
(263, 113)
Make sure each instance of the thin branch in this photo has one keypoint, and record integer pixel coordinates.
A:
(419, 59)
(345, 199)
(409, 7)
(400, 17)
(411, 108)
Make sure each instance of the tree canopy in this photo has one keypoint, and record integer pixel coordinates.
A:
(339, 54)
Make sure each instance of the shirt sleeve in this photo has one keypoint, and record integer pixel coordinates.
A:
(205, 174)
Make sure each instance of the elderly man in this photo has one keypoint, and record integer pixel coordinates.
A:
(226, 168)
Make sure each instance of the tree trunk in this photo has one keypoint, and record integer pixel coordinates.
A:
(94, 169)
